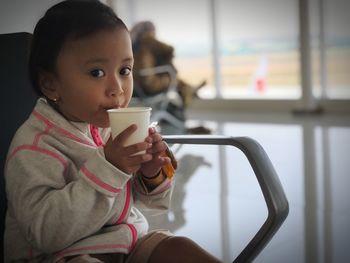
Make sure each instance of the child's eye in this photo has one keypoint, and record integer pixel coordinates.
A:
(125, 71)
(97, 73)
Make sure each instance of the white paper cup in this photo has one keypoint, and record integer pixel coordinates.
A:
(122, 118)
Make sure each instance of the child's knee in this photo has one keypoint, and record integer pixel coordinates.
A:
(179, 242)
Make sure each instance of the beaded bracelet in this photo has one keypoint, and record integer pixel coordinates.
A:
(167, 171)
(154, 181)
(151, 177)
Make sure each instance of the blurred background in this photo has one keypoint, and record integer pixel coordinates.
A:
(246, 50)
(251, 49)
(277, 71)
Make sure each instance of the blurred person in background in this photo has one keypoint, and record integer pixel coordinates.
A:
(149, 52)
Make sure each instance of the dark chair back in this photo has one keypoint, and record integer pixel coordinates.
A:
(17, 100)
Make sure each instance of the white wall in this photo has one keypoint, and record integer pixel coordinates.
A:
(22, 15)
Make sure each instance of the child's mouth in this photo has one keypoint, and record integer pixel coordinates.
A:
(112, 107)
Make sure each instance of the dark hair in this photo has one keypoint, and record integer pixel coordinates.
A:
(70, 19)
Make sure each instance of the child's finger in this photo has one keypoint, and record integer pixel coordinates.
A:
(156, 137)
(160, 161)
(157, 147)
(124, 135)
(152, 130)
(153, 135)
(139, 159)
(137, 147)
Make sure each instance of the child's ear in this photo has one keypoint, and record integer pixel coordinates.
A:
(48, 85)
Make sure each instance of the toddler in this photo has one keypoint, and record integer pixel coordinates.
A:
(72, 190)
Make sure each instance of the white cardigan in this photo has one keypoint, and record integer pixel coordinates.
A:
(64, 198)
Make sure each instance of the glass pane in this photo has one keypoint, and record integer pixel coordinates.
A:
(330, 62)
(259, 48)
(337, 34)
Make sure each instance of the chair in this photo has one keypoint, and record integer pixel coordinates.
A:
(15, 106)
(268, 180)
(15, 109)
(166, 106)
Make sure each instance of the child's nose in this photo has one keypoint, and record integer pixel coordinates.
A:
(115, 87)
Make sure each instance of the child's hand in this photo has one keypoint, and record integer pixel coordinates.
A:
(153, 166)
(122, 156)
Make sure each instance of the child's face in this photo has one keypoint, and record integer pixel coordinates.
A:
(94, 74)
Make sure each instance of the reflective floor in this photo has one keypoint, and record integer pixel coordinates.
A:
(218, 203)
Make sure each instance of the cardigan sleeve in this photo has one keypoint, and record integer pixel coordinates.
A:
(51, 213)
(158, 198)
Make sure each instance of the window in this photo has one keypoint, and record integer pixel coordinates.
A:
(331, 48)
(259, 48)
(251, 49)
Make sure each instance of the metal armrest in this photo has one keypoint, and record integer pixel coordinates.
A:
(268, 180)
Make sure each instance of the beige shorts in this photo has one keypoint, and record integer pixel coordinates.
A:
(140, 254)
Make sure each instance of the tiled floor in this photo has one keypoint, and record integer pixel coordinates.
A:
(218, 203)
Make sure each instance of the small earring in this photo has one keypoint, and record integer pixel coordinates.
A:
(55, 100)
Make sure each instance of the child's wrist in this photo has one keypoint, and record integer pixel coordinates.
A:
(166, 171)
(150, 177)
(153, 181)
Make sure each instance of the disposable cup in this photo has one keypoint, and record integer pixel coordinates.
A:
(122, 118)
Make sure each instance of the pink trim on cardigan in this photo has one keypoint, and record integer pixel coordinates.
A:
(163, 188)
(96, 135)
(98, 181)
(60, 130)
(37, 137)
(40, 150)
(126, 205)
(139, 188)
(134, 235)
